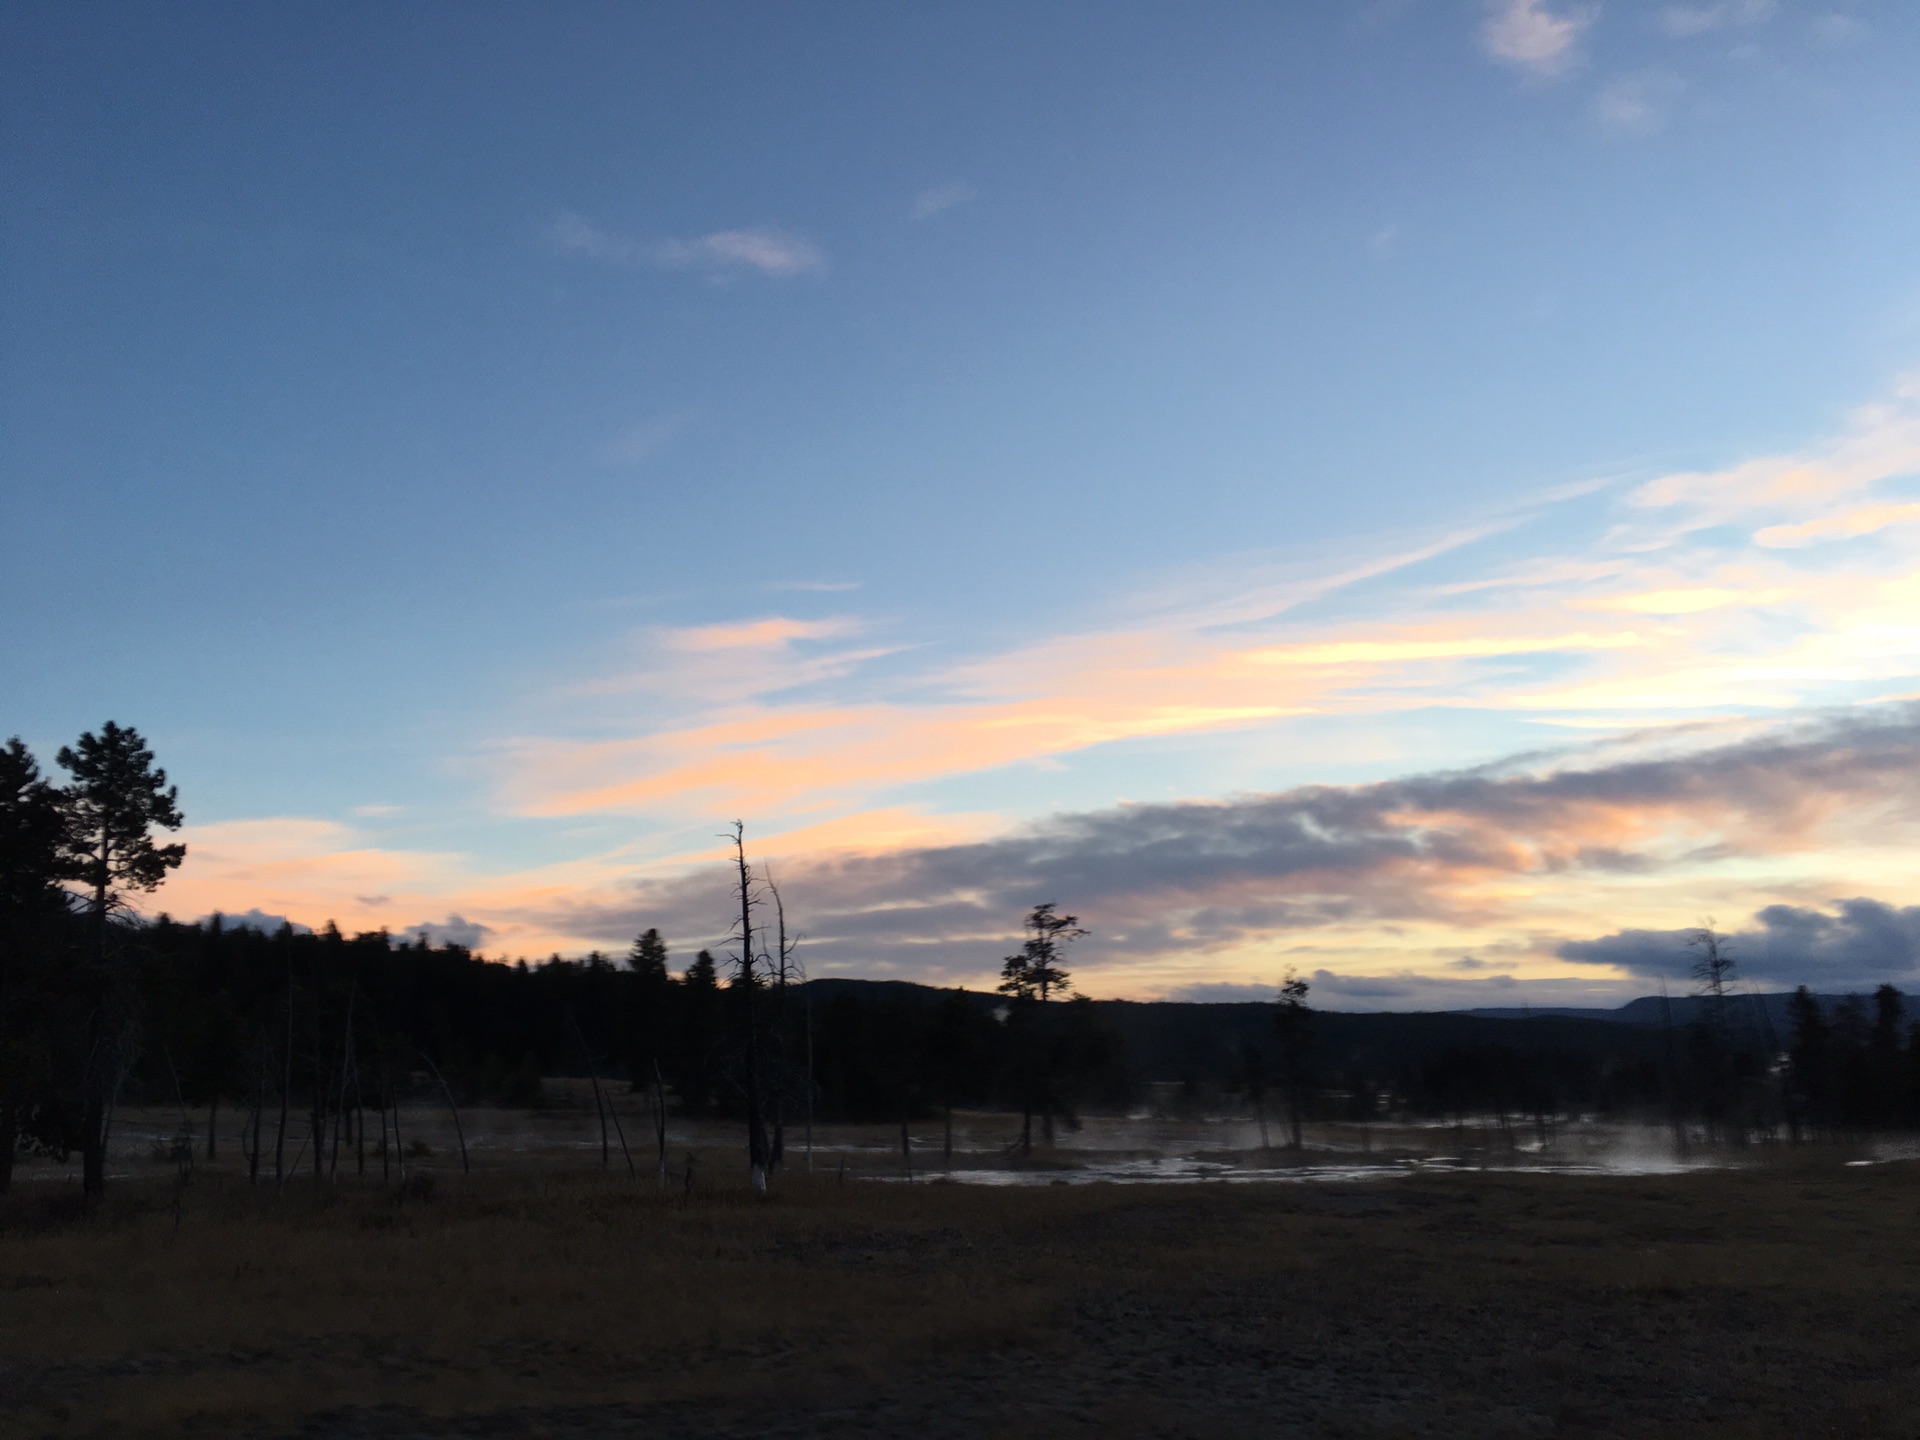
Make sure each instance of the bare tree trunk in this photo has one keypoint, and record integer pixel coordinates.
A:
(9, 1137)
(93, 1127)
(600, 1110)
(340, 1113)
(603, 1102)
(460, 1134)
(259, 1100)
(756, 1122)
(123, 1056)
(782, 952)
(399, 1145)
(620, 1134)
(660, 1119)
(286, 1083)
(318, 1118)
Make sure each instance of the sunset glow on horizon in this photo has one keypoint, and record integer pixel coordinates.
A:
(1387, 508)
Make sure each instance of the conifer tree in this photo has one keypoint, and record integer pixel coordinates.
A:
(116, 800)
(1292, 1023)
(1031, 977)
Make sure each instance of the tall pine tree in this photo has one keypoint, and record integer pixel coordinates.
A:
(115, 802)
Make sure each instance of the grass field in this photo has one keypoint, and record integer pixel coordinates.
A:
(1780, 1297)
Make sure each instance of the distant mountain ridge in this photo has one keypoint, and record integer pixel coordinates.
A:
(1770, 1008)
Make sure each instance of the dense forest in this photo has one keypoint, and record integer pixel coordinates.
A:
(306, 1035)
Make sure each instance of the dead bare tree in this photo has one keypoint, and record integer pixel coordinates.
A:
(317, 1116)
(452, 1109)
(390, 1094)
(340, 1112)
(259, 1100)
(660, 1119)
(786, 969)
(286, 1073)
(756, 1120)
(602, 1101)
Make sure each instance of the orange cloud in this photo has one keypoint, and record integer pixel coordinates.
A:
(1716, 600)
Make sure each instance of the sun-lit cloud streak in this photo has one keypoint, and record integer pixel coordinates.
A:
(1780, 582)
(1514, 867)
(312, 871)
(1517, 861)
(763, 248)
(1684, 618)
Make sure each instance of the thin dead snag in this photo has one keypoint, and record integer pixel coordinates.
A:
(756, 1121)
(259, 1100)
(390, 1094)
(341, 1113)
(660, 1119)
(452, 1109)
(787, 969)
(286, 1080)
(602, 1102)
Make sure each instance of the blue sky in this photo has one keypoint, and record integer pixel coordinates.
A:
(486, 448)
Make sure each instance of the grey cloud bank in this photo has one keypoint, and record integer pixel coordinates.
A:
(1190, 877)
(1862, 943)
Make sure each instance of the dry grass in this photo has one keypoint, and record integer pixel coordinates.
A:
(1779, 1300)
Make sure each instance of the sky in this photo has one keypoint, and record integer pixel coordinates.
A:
(1423, 493)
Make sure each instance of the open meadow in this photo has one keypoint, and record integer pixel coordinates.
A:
(1778, 1295)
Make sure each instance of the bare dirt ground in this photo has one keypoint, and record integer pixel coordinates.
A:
(542, 1297)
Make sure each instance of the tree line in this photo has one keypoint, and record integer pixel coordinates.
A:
(316, 1037)
(309, 1041)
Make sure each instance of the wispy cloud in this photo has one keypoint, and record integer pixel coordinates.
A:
(1689, 614)
(1533, 37)
(939, 198)
(1638, 104)
(637, 444)
(1835, 29)
(765, 249)
(1380, 887)
(1688, 20)
(1780, 582)
(1402, 874)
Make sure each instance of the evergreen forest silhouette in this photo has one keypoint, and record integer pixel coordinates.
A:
(303, 1048)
